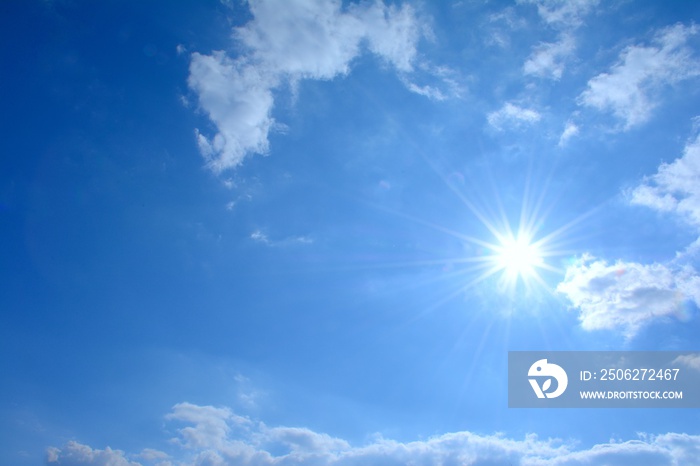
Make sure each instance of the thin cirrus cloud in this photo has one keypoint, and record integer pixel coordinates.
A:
(217, 436)
(548, 59)
(628, 295)
(314, 39)
(570, 130)
(261, 237)
(562, 14)
(630, 89)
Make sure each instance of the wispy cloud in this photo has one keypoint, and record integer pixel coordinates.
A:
(511, 115)
(563, 14)
(248, 396)
(315, 39)
(630, 89)
(570, 130)
(675, 187)
(691, 361)
(499, 26)
(261, 237)
(216, 436)
(548, 59)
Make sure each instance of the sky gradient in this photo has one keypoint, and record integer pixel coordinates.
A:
(308, 232)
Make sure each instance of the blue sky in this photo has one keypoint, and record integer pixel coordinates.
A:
(309, 232)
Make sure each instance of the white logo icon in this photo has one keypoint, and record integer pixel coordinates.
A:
(542, 368)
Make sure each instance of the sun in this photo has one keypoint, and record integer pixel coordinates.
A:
(518, 257)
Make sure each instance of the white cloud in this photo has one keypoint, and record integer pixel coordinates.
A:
(512, 115)
(498, 35)
(627, 295)
(570, 130)
(151, 454)
(260, 237)
(221, 441)
(629, 90)
(449, 82)
(310, 39)
(76, 454)
(564, 14)
(238, 100)
(548, 59)
(675, 187)
(426, 90)
(248, 396)
(689, 360)
(302, 441)
(211, 425)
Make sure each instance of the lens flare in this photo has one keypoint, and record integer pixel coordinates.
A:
(518, 257)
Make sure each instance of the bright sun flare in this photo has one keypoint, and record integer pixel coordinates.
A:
(518, 257)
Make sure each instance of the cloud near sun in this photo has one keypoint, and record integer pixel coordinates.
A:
(217, 437)
(318, 40)
(627, 295)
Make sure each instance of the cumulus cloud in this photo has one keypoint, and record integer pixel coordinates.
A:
(630, 89)
(238, 100)
(211, 426)
(675, 187)
(76, 454)
(223, 439)
(626, 295)
(512, 115)
(311, 39)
